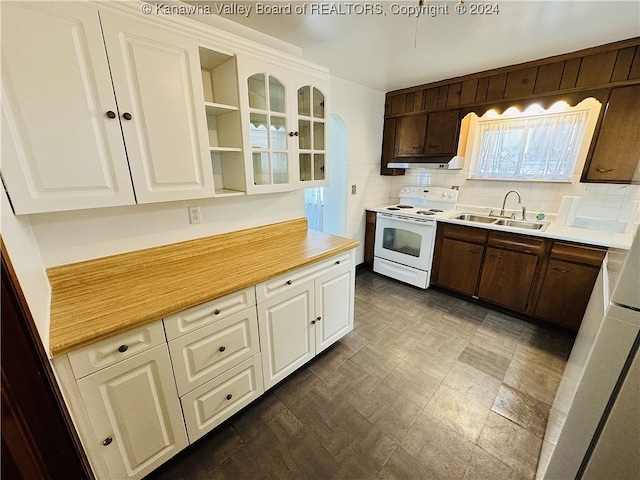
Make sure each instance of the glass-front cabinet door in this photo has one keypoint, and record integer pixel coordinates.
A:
(312, 141)
(266, 111)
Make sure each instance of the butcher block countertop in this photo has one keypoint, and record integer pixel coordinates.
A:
(95, 299)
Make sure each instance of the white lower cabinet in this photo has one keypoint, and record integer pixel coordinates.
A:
(212, 403)
(137, 400)
(134, 410)
(312, 310)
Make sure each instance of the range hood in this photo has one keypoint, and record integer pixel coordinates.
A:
(455, 163)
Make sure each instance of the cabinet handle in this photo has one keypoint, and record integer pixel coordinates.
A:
(223, 348)
(337, 262)
(433, 146)
(216, 311)
(313, 322)
(318, 319)
(111, 114)
(289, 282)
(229, 397)
(417, 147)
(602, 170)
(107, 441)
(495, 255)
(293, 134)
(123, 348)
(127, 116)
(560, 270)
(472, 251)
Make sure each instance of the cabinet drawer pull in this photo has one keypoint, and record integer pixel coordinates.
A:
(560, 270)
(472, 251)
(289, 282)
(318, 319)
(229, 397)
(107, 441)
(293, 134)
(433, 146)
(496, 255)
(313, 322)
(123, 348)
(602, 170)
(111, 114)
(216, 311)
(222, 348)
(337, 262)
(127, 116)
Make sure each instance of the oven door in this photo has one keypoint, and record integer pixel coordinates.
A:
(404, 240)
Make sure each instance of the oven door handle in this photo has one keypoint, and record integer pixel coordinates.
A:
(400, 218)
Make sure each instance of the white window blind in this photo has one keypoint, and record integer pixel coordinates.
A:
(537, 147)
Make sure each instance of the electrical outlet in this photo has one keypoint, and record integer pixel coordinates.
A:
(353, 189)
(194, 215)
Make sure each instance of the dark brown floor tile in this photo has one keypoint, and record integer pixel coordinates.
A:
(413, 383)
(441, 450)
(485, 360)
(431, 361)
(296, 387)
(523, 409)
(486, 467)
(250, 421)
(533, 375)
(402, 466)
(330, 360)
(441, 339)
(457, 412)
(513, 445)
(475, 384)
(396, 342)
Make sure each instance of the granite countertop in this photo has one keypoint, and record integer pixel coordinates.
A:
(99, 298)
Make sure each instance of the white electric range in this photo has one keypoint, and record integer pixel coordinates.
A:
(405, 233)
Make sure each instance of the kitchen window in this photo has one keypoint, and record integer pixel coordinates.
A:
(534, 145)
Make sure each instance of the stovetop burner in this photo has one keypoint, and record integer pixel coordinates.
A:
(393, 208)
(436, 210)
(404, 206)
(426, 212)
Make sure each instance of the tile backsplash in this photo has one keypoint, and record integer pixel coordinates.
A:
(604, 206)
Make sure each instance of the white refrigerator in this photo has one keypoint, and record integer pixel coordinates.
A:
(594, 425)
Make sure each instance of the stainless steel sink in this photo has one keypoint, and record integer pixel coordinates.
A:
(470, 217)
(522, 224)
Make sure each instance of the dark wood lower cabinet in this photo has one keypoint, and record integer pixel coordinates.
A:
(540, 278)
(507, 278)
(369, 237)
(460, 265)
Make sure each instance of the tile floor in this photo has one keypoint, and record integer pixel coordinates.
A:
(427, 386)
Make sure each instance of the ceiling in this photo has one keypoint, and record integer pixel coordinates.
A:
(389, 51)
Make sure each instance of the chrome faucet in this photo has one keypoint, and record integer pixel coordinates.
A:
(504, 202)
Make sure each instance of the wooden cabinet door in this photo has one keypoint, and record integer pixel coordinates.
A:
(60, 150)
(507, 278)
(459, 265)
(410, 135)
(334, 295)
(616, 156)
(369, 238)
(565, 293)
(442, 133)
(154, 75)
(135, 413)
(388, 148)
(287, 336)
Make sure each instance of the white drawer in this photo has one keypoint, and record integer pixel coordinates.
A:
(205, 353)
(196, 317)
(209, 405)
(107, 352)
(278, 285)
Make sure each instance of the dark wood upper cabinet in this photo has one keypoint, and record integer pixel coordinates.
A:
(410, 135)
(615, 151)
(388, 146)
(442, 133)
(429, 115)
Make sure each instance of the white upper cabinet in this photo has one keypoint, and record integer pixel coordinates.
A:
(61, 140)
(154, 75)
(266, 101)
(313, 135)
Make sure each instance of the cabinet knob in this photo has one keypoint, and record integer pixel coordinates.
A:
(337, 262)
(472, 251)
(229, 397)
(107, 441)
(216, 311)
(602, 170)
(433, 146)
(560, 270)
(223, 348)
(127, 116)
(318, 319)
(525, 81)
(293, 134)
(123, 348)
(289, 282)
(111, 114)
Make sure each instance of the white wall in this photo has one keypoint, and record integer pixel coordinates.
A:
(362, 110)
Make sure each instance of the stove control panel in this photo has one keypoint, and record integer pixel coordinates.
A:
(436, 194)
